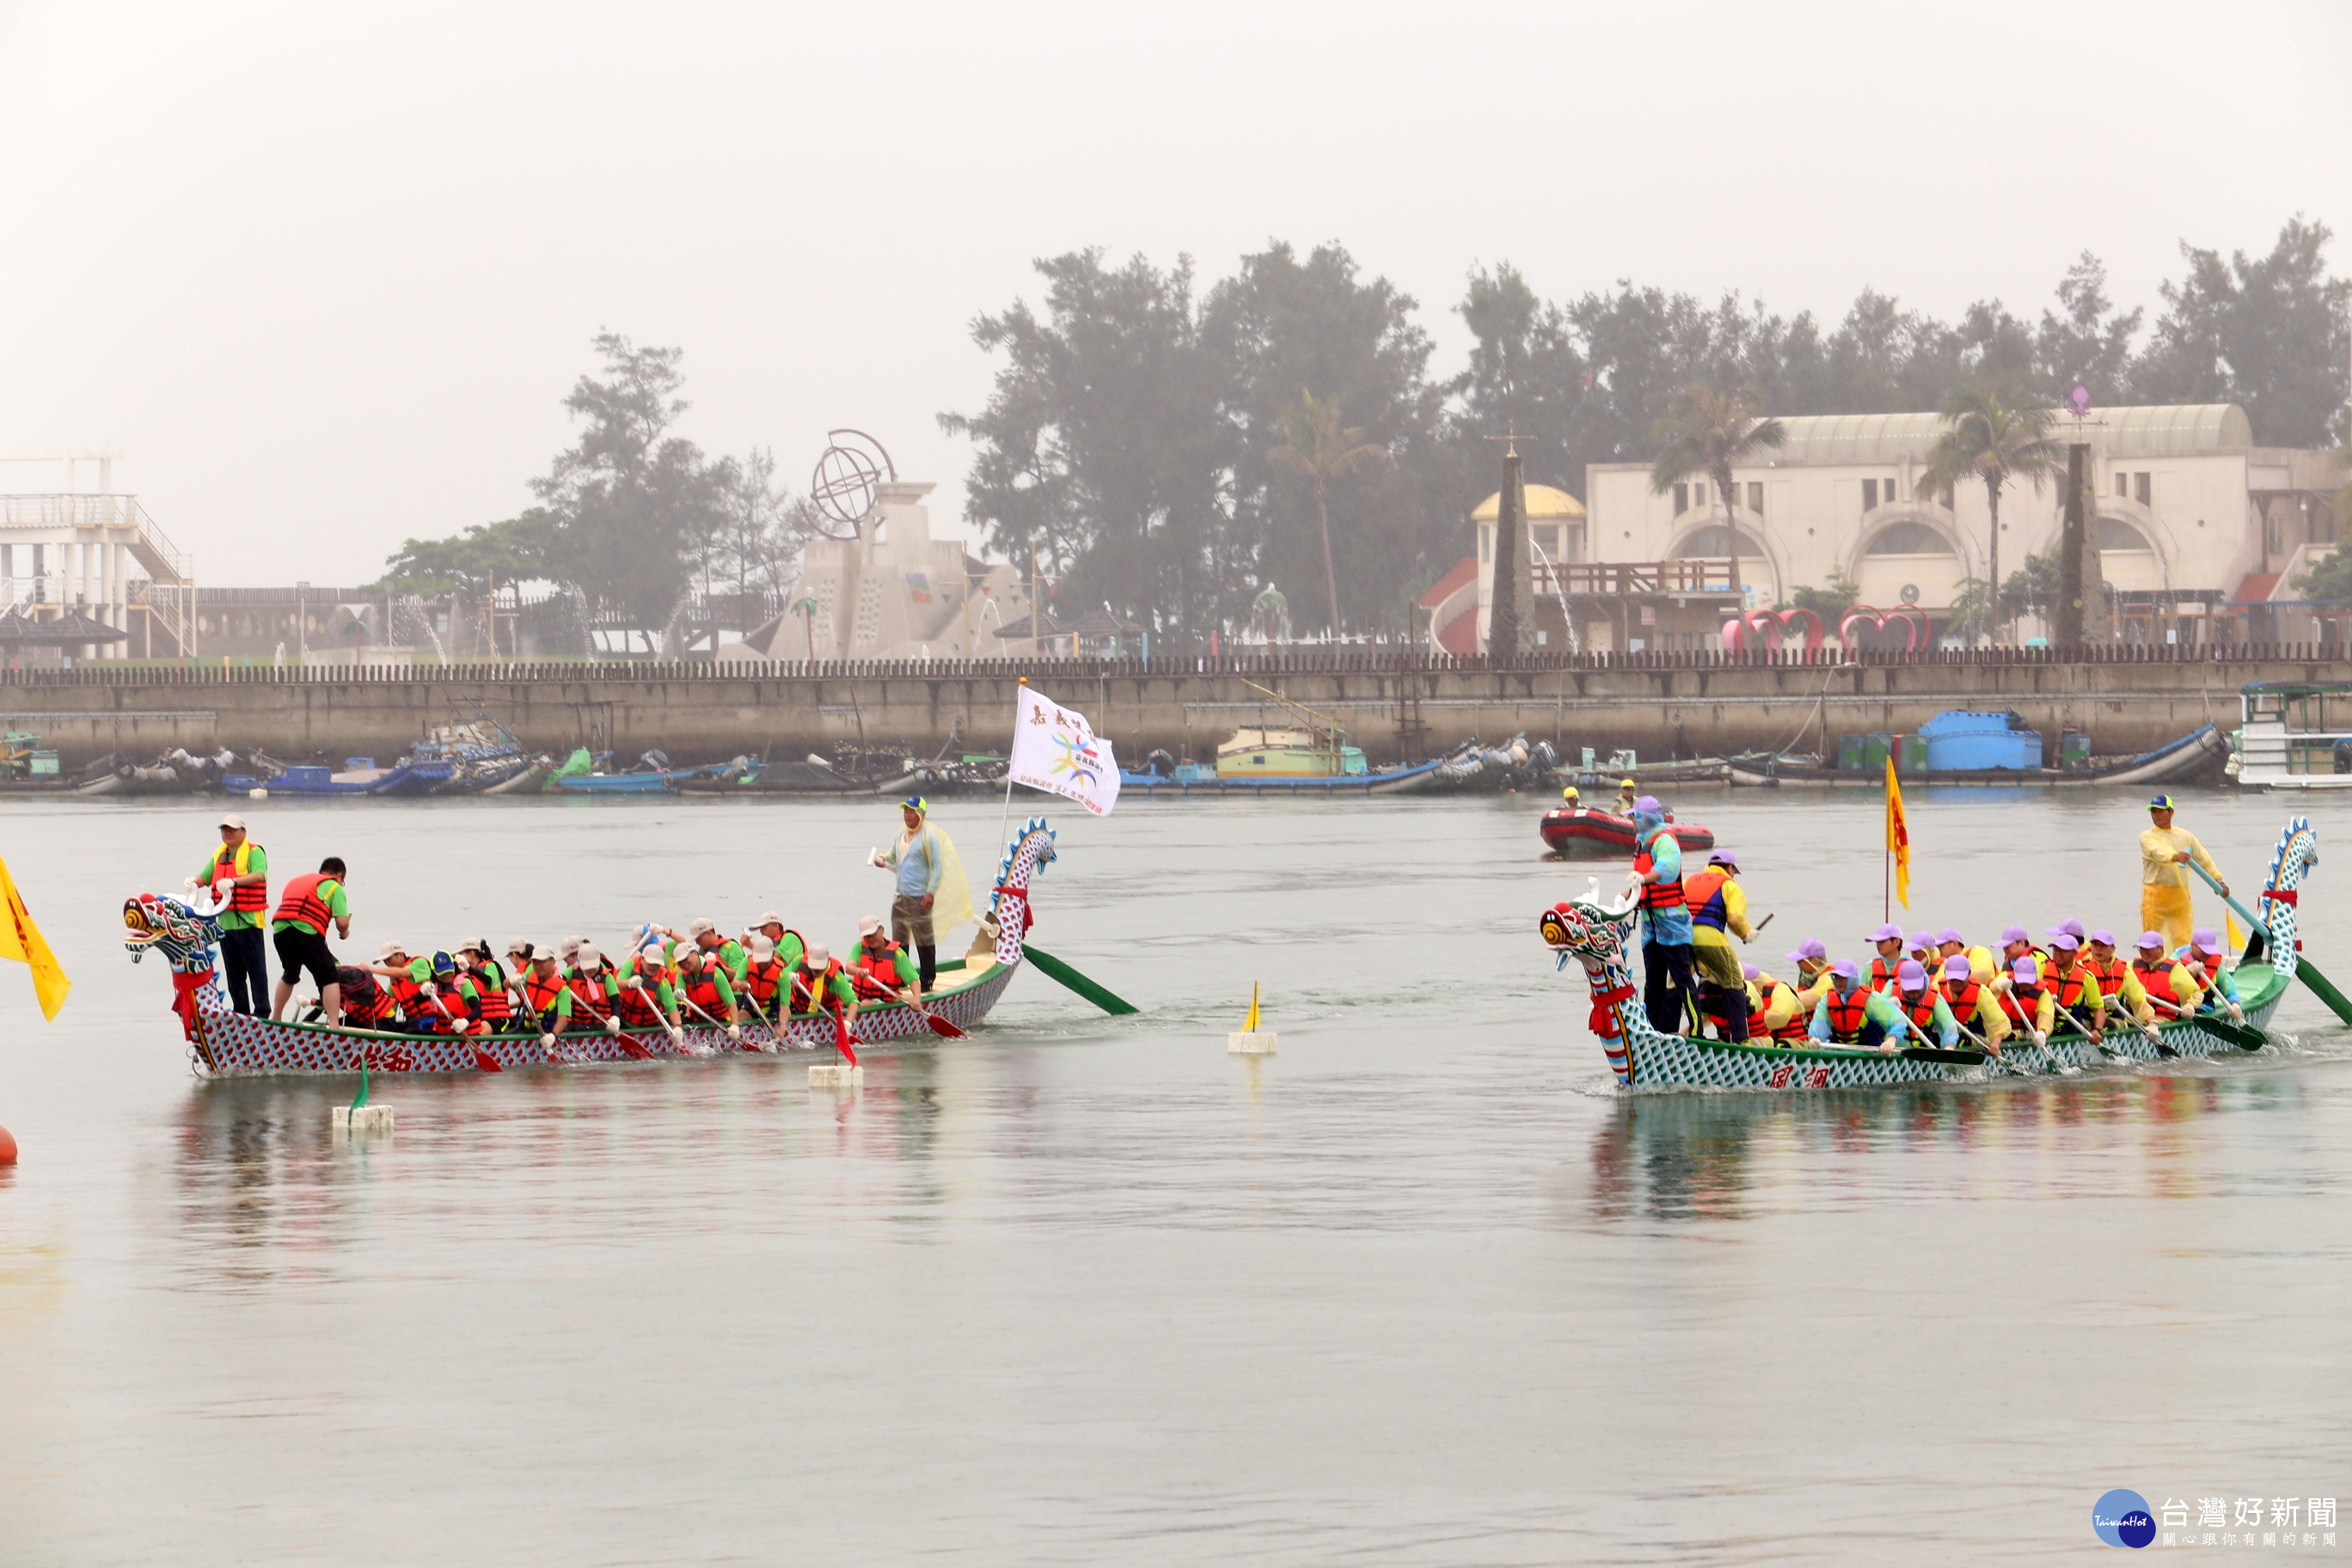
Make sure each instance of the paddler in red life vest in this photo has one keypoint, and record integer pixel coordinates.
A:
(2171, 990)
(1888, 941)
(298, 933)
(879, 967)
(766, 981)
(2119, 985)
(2202, 958)
(703, 935)
(1657, 877)
(783, 937)
(493, 992)
(1922, 1005)
(1718, 911)
(705, 991)
(2015, 944)
(547, 994)
(238, 874)
(1789, 1007)
(820, 983)
(595, 990)
(407, 998)
(2070, 993)
(1975, 1006)
(365, 1006)
(646, 992)
(2021, 1004)
(1852, 1013)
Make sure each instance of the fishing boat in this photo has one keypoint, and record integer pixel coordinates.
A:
(466, 756)
(1586, 833)
(184, 931)
(2202, 749)
(652, 775)
(2292, 735)
(1599, 937)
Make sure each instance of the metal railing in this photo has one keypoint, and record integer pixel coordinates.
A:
(1619, 579)
(167, 596)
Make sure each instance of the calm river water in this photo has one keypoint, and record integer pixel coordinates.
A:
(1422, 1288)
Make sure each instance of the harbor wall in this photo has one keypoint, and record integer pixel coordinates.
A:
(1659, 705)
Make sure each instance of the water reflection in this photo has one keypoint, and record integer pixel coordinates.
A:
(1730, 1156)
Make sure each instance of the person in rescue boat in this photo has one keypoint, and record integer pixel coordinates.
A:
(1657, 877)
(2070, 993)
(1852, 1013)
(238, 873)
(1718, 911)
(1975, 1006)
(298, 933)
(1570, 799)
(2202, 956)
(1628, 797)
(1922, 1005)
(1888, 941)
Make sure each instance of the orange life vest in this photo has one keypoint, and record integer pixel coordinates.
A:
(640, 1004)
(2023, 1004)
(2110, 975)
(1657, 895)
(1921, 1012)
(228, 862)
(1704, 894)
(2155, 979)
(1881, 971)
(540, 996)
(702, 991)
(1962, 1000)
(2074, 985)
(490, 990)
(588, 991)
(813, 992)
(1848, 1013)
(303, 903)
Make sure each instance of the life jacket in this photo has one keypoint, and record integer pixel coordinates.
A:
(1921, 1012)
(364, 1002)
(1704, 894)
(445, 1011)
(1962, 999)
(1881, 971)
(539, 995)
(1657, 895)
(244, 900)
(588, 991)
(2023, 1004)
(2155, 979)
(702, 990)
(2110, 975)
(2074, 985)
(302, 901)
(1794, 1028)
(1848, 1013)
(490, 989)
(2201, 969)
(875, 973)
(640, 1004)
(408, 996)
(813, 992)
(762, 982)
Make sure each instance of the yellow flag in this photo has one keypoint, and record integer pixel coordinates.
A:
(2237, 937)
(1898, 837)
(1249, 1025)
(21, 939)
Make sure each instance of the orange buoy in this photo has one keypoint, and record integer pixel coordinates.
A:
(8, 1148)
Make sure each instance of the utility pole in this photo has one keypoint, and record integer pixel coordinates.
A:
(2081, 612)
(1504, 633)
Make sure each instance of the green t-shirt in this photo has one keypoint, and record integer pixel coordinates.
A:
(838, 983)
(237, 919)
(331, 893)
(731, 954)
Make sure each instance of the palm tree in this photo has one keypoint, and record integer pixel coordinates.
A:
(1319, 450)
(1705, 432)
(1987, 438)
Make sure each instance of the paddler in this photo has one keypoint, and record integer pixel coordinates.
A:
(238, 875)
(2169, 986)
(766, 981)
(1788, 1006)
(646, 996)
(1851, 1013)
(2015, 944)
(2070, 994)
(596, 989)
(1973, 1003)
(1950, 944)
(2202, 957)
(705, 991)
(405, 988)
(547, 993)
(2164, 853)
(704, 935)
(820, 983)
(298, 933)
(2117, 985)
(920, 863)
(785, 941)
(364, 1003)
(1758, 985)
(1888, 940)
(493, 992)
(1922, 951)
(2022, 1002)
(1718, 911)
(1922, 1005)
(1657, 875)
(879, 967)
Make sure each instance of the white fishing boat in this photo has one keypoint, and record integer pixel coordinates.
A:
(2294, 735)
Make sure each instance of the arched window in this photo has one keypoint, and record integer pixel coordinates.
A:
(2115, 533)
(1909, 539)
(1713, 543)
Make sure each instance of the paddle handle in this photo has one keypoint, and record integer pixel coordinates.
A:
(2253, 921)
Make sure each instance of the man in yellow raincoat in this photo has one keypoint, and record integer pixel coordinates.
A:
(2165, 854)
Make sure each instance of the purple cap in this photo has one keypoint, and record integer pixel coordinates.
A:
(2103, 938)
(1810, 948)
(1888, 933)
(1845, 969)
(1649, 803)
(2067, 928)
(1723, 857)
(1923, 939)
(1950, 933)
(2026, 969)
(1911, 976)
(1749, 972)
(2148, 939)
(2062, 942)
(2207, 940)
(1957, 967)
(2013, 933)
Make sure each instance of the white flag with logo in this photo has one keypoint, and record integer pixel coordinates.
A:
(1055, 750)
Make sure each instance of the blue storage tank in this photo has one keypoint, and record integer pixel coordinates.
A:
(1961, 742)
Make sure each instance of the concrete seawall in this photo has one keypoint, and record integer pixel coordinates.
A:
(1659, 705)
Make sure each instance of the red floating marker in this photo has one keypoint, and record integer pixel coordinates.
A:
(8, 1148)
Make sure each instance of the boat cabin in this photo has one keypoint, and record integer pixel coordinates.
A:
(2295, 735)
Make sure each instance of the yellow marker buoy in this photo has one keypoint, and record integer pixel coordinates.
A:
(1250, 1040)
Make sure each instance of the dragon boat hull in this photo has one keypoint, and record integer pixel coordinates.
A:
(231, 1045)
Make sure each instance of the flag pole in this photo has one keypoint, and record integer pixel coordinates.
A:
(1005, 822)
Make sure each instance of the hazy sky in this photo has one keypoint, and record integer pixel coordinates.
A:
(326, 272)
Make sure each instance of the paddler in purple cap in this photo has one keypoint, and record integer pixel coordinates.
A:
(2015, 944)
(1975, 1006)
(1951, 944)
(1658, 880)
(1922, 1005)
(1888, 940)
(2121, 988)
(2022, 1005)
(1852, 1013)
(1789, 1008)
(2070, 993)
(2202, 958)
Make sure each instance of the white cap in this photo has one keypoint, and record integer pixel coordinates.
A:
(542, 955)
(391, 951)
(869, 924)
(570, 946)
(818, 955)
(762, 949)
(770, 919)
(233, 821)
(700, 928)
(587, 956)
(651, 954)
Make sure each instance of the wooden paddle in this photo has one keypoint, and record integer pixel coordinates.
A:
(1927, 1050)
(940, 1025)
(2244, 1036)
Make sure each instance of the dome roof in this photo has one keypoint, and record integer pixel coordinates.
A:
(1542, 501)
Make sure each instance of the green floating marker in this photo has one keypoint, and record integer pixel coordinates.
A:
(1077, 981)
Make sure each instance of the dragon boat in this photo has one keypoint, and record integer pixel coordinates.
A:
(1600, 938)
(222, 1043)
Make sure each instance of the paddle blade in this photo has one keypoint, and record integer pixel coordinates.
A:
(485, 1062)
(941, 1028)
(843, 1041)
(635, 1050)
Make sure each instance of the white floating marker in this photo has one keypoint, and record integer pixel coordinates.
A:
(837, 1074)
(258, 792)
(366, 1119)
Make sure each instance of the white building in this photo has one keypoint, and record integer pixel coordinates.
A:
(65, 549)
(2195, 520)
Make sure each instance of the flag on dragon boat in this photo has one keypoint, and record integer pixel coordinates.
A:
(1898, 837)
(21, 939)
(1055, 750)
